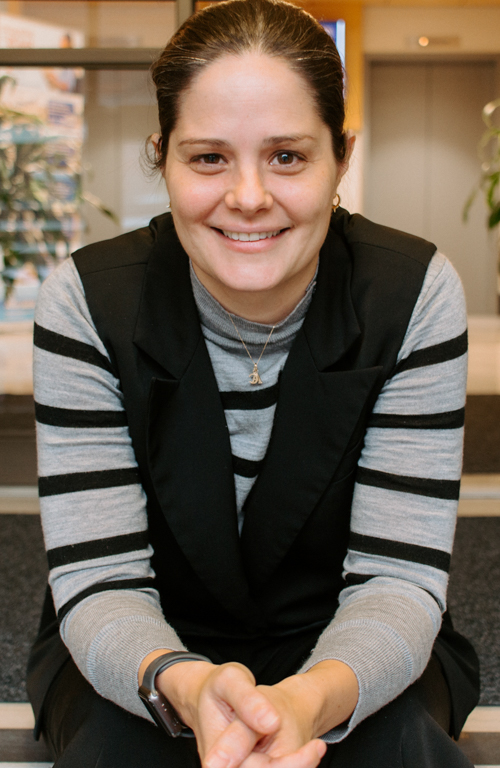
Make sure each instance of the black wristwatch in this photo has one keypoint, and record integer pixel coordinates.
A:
(155, 702)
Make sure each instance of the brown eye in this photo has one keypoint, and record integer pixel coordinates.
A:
(285, 158)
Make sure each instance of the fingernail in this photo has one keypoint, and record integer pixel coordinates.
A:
(267, 719)
(218, 760)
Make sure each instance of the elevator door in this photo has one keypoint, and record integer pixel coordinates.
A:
(425, 123)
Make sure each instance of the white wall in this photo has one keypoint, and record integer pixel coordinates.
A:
(426, 122)
(396, 30)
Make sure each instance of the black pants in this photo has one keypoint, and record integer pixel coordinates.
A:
(83, 730)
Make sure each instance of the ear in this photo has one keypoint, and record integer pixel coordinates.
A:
(351, 141)
(155, 140)
(342, 167)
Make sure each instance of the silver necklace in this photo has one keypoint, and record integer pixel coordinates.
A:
(255, 375)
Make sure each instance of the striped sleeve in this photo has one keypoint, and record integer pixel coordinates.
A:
(92, 503)
(404, 506)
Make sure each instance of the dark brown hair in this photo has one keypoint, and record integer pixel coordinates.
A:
(271, 27)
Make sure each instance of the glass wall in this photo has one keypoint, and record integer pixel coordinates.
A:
(72, 138)
(120, 113)
(73, 169)
(71, 141)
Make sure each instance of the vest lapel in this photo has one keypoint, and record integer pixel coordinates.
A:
(188, 443)
(318, 410)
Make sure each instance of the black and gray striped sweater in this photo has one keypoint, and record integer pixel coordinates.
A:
(94, 509)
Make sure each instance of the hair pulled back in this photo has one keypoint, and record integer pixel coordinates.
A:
(271, 27)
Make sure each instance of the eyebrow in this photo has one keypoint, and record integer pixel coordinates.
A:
(270, 142)
(293, 138)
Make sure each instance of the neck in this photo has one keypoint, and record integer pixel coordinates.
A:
(267, 307)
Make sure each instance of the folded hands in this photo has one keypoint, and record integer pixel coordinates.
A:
(239, 724)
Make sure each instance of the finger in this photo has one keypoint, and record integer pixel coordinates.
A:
(308, 756)
(232, 747)
(234, 686)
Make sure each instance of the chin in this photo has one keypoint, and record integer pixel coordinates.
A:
(250, 281)
(249, 286)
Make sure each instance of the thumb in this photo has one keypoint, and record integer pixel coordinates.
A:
(249, 703)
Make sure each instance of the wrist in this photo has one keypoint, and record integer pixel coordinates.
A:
(339, 688)
(181, 685)
(323, 697)
(305, 701)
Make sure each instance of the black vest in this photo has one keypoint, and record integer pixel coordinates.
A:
(262, 598)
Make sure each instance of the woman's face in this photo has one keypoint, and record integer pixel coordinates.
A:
(251, 175)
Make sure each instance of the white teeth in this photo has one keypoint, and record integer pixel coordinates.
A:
(246, 236)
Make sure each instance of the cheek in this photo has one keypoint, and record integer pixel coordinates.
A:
(197, 198)
(304, 198)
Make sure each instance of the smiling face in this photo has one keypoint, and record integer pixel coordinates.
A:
(251, 175)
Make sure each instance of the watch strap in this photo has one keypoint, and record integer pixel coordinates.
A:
(166, 660)
(155, 702)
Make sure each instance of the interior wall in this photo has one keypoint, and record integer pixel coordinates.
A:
(396, 30)
(457, 34)
(425, 123)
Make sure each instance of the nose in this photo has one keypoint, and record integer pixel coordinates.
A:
(248, 193)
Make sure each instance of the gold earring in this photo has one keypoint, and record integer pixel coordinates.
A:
(335, 205)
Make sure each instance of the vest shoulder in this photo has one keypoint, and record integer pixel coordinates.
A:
(362, 235)
(126, 250)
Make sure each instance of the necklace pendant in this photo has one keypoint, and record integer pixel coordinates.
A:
(255, 376)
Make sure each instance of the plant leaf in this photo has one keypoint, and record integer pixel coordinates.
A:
(468, 204)
(494, 218)
(96, 202)
(488, 110)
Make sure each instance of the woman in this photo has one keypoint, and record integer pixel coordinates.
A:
(250, 419)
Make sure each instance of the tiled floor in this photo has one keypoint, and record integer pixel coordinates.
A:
(480, 497)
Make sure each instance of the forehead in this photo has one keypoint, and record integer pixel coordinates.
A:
(260, 93)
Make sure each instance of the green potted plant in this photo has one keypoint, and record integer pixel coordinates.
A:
(489, 153)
